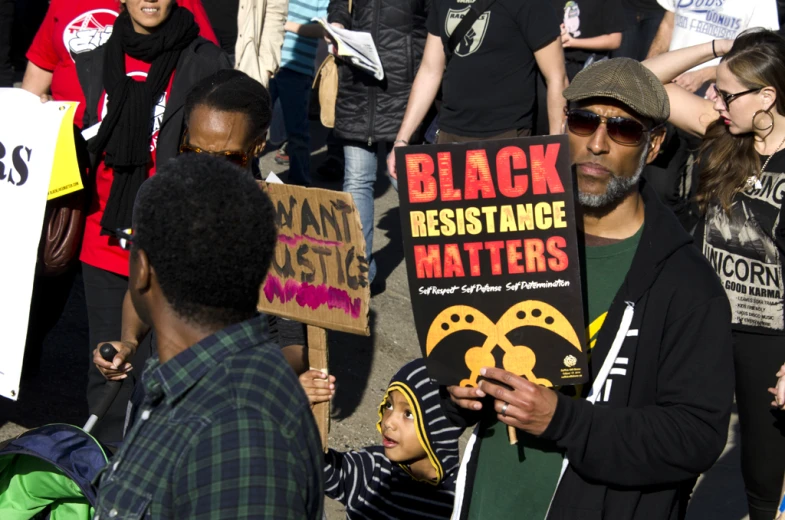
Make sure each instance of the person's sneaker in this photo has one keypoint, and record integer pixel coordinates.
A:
(281, 156)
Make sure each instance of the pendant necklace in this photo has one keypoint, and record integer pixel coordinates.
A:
(754, 180)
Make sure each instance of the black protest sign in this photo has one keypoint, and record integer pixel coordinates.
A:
(491, 251)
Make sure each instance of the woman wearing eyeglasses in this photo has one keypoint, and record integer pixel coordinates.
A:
(135, 87)
(742, 233)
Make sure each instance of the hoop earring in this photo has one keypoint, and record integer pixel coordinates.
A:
(771, 124)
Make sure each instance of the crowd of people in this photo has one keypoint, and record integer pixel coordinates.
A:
(675, 115)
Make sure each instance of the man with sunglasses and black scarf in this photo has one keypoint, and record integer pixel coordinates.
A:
(656, 412)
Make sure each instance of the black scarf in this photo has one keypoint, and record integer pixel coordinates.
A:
(124, 134)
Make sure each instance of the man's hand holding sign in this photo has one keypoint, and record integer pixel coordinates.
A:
(518, 403)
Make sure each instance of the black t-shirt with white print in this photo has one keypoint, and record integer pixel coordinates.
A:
(746, 246)
(489, 84)
(589, 19)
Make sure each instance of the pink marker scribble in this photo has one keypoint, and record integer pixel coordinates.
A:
(296, 239)
(311, 296)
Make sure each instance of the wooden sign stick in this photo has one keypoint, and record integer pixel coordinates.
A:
(512, 433)
(318, 359)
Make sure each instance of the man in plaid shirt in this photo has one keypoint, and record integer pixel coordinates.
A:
(225, 430)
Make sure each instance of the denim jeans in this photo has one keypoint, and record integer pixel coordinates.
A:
(360, 171)
(293, 89)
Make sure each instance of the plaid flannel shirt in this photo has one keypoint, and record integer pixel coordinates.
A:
(225, 432)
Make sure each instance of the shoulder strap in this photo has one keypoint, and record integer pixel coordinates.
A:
(475, 11)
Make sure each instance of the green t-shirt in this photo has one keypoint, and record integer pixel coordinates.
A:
(606, 267)
(519, 481)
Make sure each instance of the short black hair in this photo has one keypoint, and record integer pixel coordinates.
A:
(232, 90)
(209, 233)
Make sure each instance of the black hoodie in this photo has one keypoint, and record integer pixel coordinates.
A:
(661, 417)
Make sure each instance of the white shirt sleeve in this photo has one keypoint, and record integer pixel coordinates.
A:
(670, 5)
(765, 15)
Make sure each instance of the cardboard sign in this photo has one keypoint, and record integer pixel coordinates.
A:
(28, 137)
(491, 250)
(319, 273)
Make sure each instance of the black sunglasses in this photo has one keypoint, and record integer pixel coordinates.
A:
(125, 237)
(728, 98)
(622, 130)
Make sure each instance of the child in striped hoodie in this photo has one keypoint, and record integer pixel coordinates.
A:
(413, 472)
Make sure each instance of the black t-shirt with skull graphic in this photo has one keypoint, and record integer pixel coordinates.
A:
(589, 19)
(489, 84)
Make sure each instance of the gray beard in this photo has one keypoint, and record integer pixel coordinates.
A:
(618, 187)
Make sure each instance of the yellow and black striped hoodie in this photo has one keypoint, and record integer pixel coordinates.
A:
(371, 486)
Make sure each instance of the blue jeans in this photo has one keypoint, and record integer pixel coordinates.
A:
(293, 89)
(360, 171)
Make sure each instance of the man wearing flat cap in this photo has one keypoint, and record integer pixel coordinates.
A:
(631, 443)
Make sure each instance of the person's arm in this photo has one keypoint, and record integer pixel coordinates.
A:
(342, 468)
(272, 37)
(338, 13)
(308, 30)
(662, 40)
(41, 59)
(246, 464)
(691, 113)
(681, 435)
(424, 90)
(550, 60)
(292, 337)
(132, 332)
(37, 81)
(318, 386)
(672, 64)
(695, 79)
(605, 42)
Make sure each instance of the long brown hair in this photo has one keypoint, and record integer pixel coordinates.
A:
(757, 59)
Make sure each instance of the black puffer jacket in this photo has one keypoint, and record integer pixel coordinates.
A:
(368, 110)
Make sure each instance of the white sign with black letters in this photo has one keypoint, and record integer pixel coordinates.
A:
(29, 131)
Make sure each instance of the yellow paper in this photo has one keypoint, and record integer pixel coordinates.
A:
(65, 169)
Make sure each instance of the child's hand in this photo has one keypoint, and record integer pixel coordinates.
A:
(318, 386)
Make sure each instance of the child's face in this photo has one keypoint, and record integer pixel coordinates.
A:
(398, 430)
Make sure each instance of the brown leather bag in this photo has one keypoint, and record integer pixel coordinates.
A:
(64, 221)
(61, 238)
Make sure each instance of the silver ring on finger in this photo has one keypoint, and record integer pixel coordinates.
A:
(504, 409)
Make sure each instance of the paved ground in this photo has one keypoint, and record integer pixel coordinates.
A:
(362, 366)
